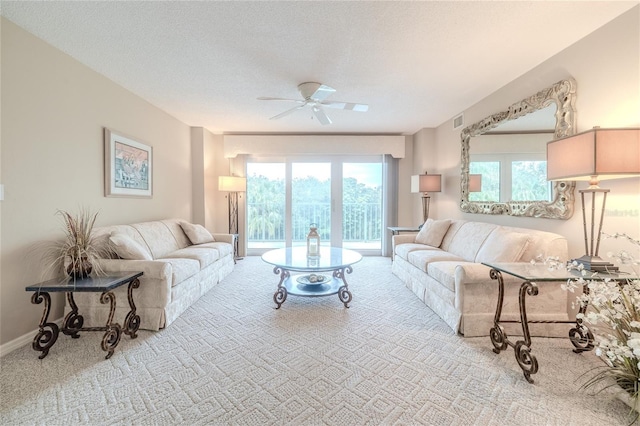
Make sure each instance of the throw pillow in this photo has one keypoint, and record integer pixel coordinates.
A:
(432, 232)
(503, 246)
(197, 234)
(127, 248)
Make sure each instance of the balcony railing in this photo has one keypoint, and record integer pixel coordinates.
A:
(361, 222)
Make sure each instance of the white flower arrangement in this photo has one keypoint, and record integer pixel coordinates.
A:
(613, 311)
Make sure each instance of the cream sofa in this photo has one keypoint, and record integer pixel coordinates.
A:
(442, 265)
(180, 261)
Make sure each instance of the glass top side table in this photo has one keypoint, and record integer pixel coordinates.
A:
(532, 274)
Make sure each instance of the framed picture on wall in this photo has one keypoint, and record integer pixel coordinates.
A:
(128, 166)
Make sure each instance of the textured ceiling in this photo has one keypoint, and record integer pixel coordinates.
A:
(417, 64)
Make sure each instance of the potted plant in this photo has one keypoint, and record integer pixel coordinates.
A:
(614, 315)
(77, 252)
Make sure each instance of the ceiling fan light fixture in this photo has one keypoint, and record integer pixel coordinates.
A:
(314, 95)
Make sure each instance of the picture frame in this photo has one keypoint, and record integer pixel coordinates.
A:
(128, 166)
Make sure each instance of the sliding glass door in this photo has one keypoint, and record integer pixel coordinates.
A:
(311, 201)
(266, 205)
(342, 196)
(362, 221)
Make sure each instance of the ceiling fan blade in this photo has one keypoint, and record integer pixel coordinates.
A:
(322, 92)
(315, 91)
(321, 116)
(287, 112)
(267, 98)
(350, 106)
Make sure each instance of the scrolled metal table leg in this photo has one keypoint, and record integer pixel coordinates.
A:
(49, 331)
(73, 322)
(113, 331)
(498, 338)
(580, 336)
(497, 334)
(280, 295)
(527, 362)
(344, 294)
(132, 321)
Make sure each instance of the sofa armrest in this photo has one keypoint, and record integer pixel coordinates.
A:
(477, 274)
(404, 238)
(154, 269)
(224, 238)
(155, 283)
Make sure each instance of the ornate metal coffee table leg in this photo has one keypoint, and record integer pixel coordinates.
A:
(343, 292)
(48, 333)
(281, 293)
(113, 331)
(527, 362)
(132, 321)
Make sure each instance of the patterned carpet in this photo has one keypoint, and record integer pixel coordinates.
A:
(232, 359)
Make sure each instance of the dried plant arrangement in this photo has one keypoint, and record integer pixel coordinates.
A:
(614, 315)
(76, 254)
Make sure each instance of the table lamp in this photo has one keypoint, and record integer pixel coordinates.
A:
(426, 183)
(594, 155)
(232, 185)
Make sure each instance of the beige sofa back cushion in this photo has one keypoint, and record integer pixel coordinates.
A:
(468, 239)
(159, 237)
(543, 244)
(503, 245)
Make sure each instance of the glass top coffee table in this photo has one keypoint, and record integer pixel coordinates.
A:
(319, 276)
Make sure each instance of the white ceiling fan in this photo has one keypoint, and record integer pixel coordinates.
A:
(314, 95)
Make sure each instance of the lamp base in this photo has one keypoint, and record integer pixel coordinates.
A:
(595, 264)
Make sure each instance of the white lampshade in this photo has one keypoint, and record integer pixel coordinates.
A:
(426, 183)
(594, 155)
(475, 183)
(232, 184)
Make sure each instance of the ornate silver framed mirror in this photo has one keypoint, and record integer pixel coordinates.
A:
(560, 96)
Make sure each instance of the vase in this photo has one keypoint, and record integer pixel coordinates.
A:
(313, 241)
(80, 269)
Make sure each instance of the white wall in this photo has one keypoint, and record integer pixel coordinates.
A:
(53, 113)
(209, 205)
(606, 66)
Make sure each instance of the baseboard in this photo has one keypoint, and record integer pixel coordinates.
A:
(23, 340)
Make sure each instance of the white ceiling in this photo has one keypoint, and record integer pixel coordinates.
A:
(417, 64)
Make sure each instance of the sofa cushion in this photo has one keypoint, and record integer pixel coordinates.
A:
(182, 269)
(204, 257)
(224, 249)
(126, 248)
(503, 246)
(421, 258)
(158, 238)
(469, 238)
(197, 234)
(432, 232)
(403, 250)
